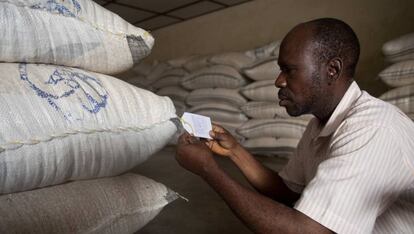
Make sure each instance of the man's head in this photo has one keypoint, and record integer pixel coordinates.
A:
(318, 60)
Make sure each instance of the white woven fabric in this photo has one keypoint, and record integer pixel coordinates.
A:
(176, 93)
(396, 93)
(197, 62)
(399, 74)
(61, 124)
(264, 90)
(265, 69)
(271, 146)
(220, 112)
(216, 76)
(217, 95)
(76, 33)
(279, 128)
(268, 110)
(117, 205)
(170, 77)
(238, 60)
(400, 48)
(268, 50)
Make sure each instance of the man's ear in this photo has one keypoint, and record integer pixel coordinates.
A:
(334, 69)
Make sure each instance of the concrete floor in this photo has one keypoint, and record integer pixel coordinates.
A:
(205, 212)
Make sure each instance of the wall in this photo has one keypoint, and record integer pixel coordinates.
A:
(261, 21)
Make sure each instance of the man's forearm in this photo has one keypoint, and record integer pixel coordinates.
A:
(263, 179)
(259, 213)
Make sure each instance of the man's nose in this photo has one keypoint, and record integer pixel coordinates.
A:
(280, 81)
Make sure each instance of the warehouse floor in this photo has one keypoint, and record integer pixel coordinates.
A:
(205, 212)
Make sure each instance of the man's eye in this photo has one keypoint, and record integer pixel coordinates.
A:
(285, 70)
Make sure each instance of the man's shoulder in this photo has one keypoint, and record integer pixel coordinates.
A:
(370, 111)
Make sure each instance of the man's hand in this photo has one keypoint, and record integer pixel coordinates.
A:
(194, 155)
(223, 142)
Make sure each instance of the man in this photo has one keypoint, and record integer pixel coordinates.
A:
(353, 170)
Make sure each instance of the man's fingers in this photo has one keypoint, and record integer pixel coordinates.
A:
(218, 128)
(182, 138)
(219, 136)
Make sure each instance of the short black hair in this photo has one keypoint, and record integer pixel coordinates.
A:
(336, 38)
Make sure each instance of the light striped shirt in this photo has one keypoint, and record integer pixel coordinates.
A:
(356, 173)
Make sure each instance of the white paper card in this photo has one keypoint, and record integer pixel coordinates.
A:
(197, 125)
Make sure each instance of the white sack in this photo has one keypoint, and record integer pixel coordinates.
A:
(217, 95)
(238, 60)
(220, 112)
(279, 128)
(271, 146)
(216, 76)
(268, 110)
(268, 50)
(266, 69)
(76, 33)
(400, 48)
(399, 74)
(60, 124)
(122, 204)
(264, 90)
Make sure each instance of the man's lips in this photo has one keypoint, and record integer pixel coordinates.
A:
(283, 100)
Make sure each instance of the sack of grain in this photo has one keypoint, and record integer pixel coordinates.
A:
(217, 95)
(399, 74)
(279, 128)
(181, 61)
(217, 76)
(197, 62)
(271, 146)
(399, 49)
(220, 112)
(237, 60)
(265, 69)
(60, 124)
(76, 33)
(264, 90)
(122, 204)
(170, 77)
(176, 93)
(268, 110)
(269, 50)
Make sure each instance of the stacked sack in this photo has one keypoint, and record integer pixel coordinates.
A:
(61, 124)
(400, 74)
(163, 78)
(237, 90)
(215, 82)
(270, 130)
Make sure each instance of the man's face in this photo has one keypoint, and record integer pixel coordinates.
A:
(299, 80)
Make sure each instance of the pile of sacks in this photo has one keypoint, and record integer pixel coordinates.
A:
(236, 89)
(66, 123)
(400, 74)
(269, 130)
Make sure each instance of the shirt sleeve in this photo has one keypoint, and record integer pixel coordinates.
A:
(362, 176)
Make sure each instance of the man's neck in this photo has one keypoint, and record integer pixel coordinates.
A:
(328, 108)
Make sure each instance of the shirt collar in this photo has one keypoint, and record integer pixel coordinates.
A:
(340, 111)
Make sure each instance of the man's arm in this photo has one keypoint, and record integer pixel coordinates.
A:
(263, 179)
(258, 212)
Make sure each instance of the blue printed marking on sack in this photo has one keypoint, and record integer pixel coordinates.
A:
(87, 90)
(55, 7)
